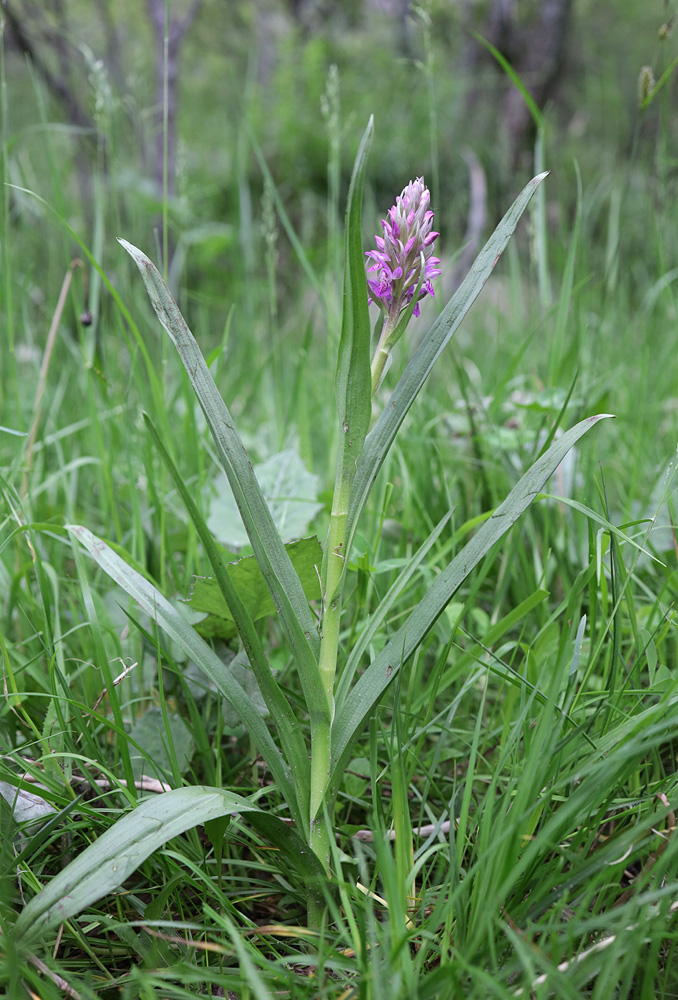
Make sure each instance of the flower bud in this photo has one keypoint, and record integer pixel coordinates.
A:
(645, 85)
(665, 30)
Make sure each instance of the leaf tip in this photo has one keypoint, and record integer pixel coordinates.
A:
(138, 256)
(79, 531)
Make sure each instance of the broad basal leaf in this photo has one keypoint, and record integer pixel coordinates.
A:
(111, 859)
(291, 736)
(306, 557)
(291, 492)
(149, 733)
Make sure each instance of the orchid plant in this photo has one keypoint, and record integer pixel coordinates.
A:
(399, 273)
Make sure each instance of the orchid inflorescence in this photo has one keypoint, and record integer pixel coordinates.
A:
(397, 260)
(403, 265)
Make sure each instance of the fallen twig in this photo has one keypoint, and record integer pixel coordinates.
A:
(367, 837)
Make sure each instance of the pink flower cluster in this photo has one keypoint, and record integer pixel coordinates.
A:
(395, 273)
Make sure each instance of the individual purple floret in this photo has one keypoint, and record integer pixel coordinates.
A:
(394, 276)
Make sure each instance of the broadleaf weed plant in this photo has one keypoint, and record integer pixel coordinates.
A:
(395, 277)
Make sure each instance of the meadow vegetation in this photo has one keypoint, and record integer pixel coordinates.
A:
(505, 825)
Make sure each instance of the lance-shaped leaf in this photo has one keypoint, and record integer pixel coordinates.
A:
(281, 579)
(353, 379)
(106, 863)
(353, 382)
(177, 628)
(291, 738)
(366, 694)
(382, 435)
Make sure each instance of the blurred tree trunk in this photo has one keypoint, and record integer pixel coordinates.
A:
(540, 51)
(532, 36)
(38, 35)
(114, 44)
(41, 33)
(316, 16)
(168, 36)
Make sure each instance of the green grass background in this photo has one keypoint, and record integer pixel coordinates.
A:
(558, 876)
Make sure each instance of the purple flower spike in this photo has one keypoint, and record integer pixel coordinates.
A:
(397, 262)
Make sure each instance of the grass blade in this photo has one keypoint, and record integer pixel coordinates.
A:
(384, 668)
(106, 863)
(296, 243)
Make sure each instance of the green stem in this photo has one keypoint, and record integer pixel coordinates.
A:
(379, 361)
(329, 648)
(331, 625)
(321, 728)
(333, 590)
(382, 352)
(316, 909)
(320, 771)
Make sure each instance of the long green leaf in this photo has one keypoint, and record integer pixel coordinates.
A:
(170, 620)
(354, 380)
(291, 737)
(608, 526)
(106, 863)
(382, 435)
(284, 584)
(384, 668)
